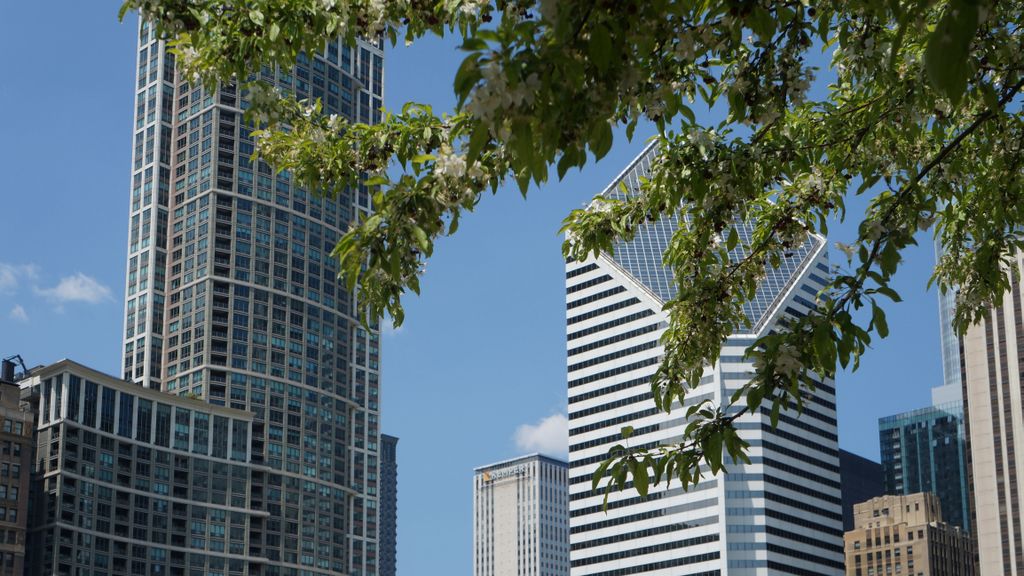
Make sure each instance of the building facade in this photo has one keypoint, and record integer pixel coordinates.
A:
(860, 479)
(388, 505)
(949, 340)
(520, 518)
(15, 474)
(133, 481)
(925, 450)
(993, 358)
(780, 513)
(905, 534)
(231, 297)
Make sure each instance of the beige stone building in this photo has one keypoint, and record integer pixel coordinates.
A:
(992, 360)
(905, 536)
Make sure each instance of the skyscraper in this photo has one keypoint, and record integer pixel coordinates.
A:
(993, 357)
(520, 518)
(388, 524)
(924, 450)
(231, 297)
(782, 512)
(949, 339)
(860, 479)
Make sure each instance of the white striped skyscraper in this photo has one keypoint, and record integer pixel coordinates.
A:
(781, 514)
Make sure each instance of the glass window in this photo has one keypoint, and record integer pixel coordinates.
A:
(74, 386)
(89, 412)
(220, 436)
(144, 426)
(202, 433)
(239, 440)
(124, 420)
(107, 410)
(163, 425)
(182, 425)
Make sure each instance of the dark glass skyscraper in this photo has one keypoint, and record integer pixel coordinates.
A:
(925, 451)
(388, 505)
(232, 298)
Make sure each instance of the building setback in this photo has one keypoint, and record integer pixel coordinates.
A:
(924, 450)
(134, 481)
(905, 534)
(782, 512)
(232, 298)
(520, 518)
(992, 360)
(388, 505)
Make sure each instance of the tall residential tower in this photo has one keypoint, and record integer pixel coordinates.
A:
(780, 513)
(231, 298)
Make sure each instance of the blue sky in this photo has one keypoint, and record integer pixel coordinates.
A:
(482, 351)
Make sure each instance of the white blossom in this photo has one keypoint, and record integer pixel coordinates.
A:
(449, 164)
(787, 362)
(846, 249)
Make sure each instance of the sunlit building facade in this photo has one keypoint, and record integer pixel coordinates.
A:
(781, 513)
(133, 481)
(925, 450)
(520, 518)
(232, 298)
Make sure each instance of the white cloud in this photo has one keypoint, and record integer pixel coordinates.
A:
(18, 313)
(76, 288)
(549, 436)
(12, 274)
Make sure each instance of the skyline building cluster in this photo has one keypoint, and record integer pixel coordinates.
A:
(244, 436)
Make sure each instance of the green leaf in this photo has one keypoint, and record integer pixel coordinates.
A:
(946, 56)
(421, 238)
(599, 473)
(626, 431)
(600, 138)
(878, 320)
(600, 47)
(274, 31)
(640, 479)
(466, 77)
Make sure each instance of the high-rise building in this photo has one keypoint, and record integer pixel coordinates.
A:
(134, 481)
(388, 524)
(993, 357)
(905, 534)
(15, 473)
(232, 298)
(860, 480)
(521, 518)
(780, 513)
(925, 450)
(949, 339)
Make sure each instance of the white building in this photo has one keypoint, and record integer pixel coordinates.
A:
(993, 384)
(520, 518)
(780, 514)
